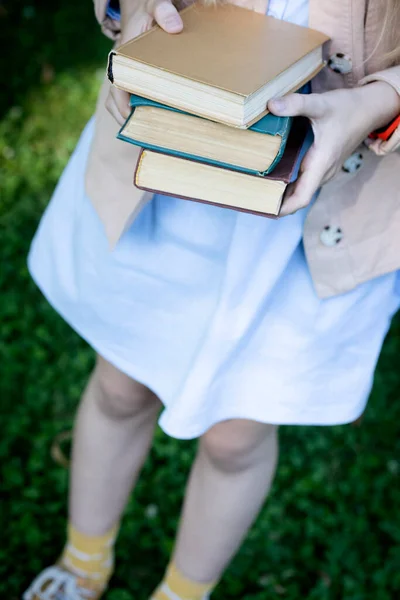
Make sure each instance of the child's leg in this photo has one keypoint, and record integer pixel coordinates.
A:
(112, 436)
(229, 481)
(113, 433)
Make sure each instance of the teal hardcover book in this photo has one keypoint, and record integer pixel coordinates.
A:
(255, 151)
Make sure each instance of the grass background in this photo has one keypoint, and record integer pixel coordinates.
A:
(331, 528)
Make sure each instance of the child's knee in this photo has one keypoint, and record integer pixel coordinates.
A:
(120, 397)
(238, 444)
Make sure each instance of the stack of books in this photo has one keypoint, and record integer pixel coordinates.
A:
(199, 103)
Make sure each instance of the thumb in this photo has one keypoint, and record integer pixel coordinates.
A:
(166, 16)
(296, 105)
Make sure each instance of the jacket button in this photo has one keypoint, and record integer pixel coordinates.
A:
(331, 236)
(353, 163)
(340, 63)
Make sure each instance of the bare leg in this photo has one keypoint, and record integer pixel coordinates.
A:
(113, 432)
(229, 481)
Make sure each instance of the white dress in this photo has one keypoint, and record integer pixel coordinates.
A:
(212, 309)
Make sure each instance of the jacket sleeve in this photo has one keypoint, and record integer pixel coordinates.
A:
(110, 27)
(391, 76)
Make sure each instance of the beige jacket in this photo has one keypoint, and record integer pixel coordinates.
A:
(352, 233)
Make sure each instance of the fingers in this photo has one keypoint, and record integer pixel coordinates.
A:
(166, 15)
(312, 106)
(300, 193)
(138, 17)
(117, 104)
(134, 23)
(313, 169)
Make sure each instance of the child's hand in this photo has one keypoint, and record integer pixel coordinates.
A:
(341, 120)
(137, 16)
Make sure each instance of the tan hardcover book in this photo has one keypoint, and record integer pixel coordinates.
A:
(225, 65)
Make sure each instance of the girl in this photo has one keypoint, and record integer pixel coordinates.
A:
(226, 318)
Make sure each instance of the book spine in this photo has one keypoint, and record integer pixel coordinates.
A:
(110, 74)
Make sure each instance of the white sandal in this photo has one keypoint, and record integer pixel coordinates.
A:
(55, 583)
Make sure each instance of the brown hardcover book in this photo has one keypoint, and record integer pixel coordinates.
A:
(225, 65)
(191, 180)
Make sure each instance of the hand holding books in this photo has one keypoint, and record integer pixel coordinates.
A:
(136, 18)
(341, 120)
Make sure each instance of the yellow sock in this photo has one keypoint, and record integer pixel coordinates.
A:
(175, 586)
(90, 557)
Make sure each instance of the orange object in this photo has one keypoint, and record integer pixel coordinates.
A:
(384, 134)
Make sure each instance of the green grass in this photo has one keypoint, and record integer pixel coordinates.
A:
(331, 529)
